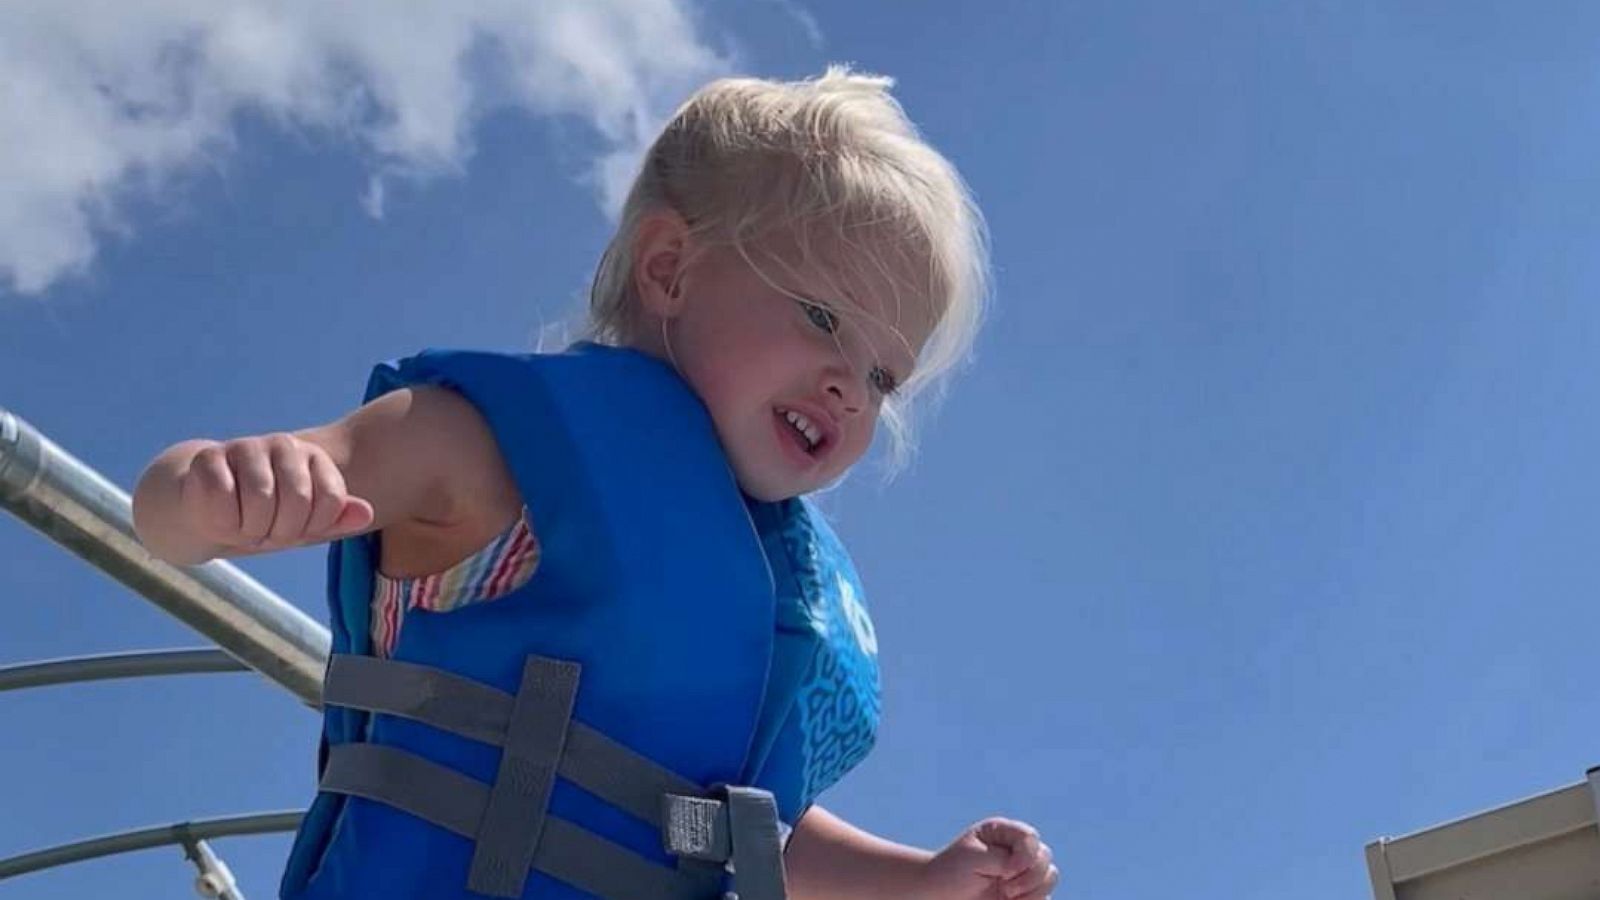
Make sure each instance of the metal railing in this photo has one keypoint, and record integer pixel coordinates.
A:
(71, 504)
(214, 880)
(79, 669)
(76, 507)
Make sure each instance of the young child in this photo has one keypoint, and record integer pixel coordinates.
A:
(589, 638)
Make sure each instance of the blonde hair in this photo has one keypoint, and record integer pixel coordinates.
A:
(830, 160)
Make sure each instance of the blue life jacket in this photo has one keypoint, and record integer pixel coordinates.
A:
(646, 635)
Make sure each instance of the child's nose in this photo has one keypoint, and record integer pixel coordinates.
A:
(846, 393)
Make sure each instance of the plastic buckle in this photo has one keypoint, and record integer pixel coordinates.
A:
(696, 827)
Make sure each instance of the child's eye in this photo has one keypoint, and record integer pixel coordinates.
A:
(821, 316)
(883, 382)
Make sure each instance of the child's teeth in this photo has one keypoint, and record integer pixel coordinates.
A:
(803, 425)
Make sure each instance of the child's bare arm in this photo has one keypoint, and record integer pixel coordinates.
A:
(830, 859)
(412, 456)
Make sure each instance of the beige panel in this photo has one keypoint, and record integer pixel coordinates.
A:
(1496, 831)
(1543, 848)
(1564, 868)
(1378, 871)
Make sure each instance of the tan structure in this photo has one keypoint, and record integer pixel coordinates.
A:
(1543, 848)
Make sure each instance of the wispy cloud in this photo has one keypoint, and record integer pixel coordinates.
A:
(803, 17)
(100, 98)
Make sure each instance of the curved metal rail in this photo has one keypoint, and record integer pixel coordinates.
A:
(186, 834)
(74, 506)
(79, 669)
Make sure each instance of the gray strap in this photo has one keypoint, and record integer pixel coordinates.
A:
(407, 782)
(453, 801)
(474, 710)
(432, 696)
(742, 828)
(618, 775)
(515, 815)
(607, 870)
(696, 828)
(757, 849)
(540, 740)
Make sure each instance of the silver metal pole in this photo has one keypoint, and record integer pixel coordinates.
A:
(79, 669)
(74, 506)
(183, 833)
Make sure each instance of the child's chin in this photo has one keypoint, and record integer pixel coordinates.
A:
(767, 494)
(767, 489)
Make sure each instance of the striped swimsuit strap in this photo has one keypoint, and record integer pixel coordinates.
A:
(496, 569)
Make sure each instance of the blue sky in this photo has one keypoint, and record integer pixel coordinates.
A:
(1261, 527)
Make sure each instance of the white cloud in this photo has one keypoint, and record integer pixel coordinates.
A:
(807, 22)
(97, 98)
(372, 201)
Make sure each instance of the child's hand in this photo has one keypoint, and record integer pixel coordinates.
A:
(996, 859)
(249, 495)
(268, 493)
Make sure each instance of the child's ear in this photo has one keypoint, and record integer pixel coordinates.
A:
(660, 251)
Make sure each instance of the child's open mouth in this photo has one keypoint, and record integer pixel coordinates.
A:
(801, 431)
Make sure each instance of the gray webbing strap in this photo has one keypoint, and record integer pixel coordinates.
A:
(452, 801)
(474, 710)
(742, 827)
(432, 696)
(620, 776)
(515, 815)
(425, 789)
(696, 828)
(604, 869)
(539, 741)
(757, 848)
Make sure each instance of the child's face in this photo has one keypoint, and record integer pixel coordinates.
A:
(793, 386)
